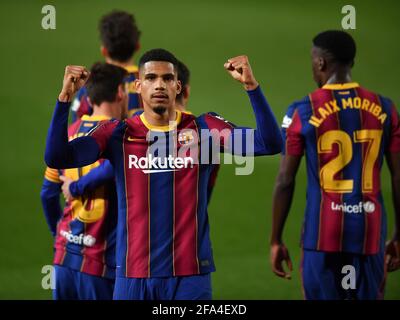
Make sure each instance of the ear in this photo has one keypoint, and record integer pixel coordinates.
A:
(104, 51)
(138, 86)
(137, 47)
(321, 64)
(178, 87)
(121, 92)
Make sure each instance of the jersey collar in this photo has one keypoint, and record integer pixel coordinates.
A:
(161, 128)
(341, 86)
(94, 118)
(132, 69)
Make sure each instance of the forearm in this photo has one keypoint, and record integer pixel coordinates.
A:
(50, 198)
(63, 154)
(281, 202)
(267, 136)
(95, 178)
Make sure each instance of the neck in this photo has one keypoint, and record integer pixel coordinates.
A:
(104, 109)
(119, 63)
(341, 76)
(159, 120)
(179, 106)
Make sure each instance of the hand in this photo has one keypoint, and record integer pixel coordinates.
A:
(280, 253)
(240, 70)
(75, 78)
(65, 188)
(392, 255)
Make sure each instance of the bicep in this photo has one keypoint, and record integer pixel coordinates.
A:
(83, 151)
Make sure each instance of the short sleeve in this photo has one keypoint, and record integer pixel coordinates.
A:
(291, 132)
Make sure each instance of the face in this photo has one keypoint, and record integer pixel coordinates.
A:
(158, 86)
(317, 63)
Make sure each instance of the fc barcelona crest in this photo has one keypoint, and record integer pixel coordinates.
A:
(185, 137)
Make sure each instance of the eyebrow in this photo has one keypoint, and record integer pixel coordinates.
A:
(163, 75)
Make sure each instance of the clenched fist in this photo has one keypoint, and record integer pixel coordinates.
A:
(240, 70)
(75, 78)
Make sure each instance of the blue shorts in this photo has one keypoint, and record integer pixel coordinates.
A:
(341, 276)
(171, 288)
(75, 285)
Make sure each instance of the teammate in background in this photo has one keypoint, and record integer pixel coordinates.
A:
(85, 233)
(183, 96)
(164, 250)
(345, 131)
(119, 36)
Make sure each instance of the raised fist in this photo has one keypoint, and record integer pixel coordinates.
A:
(240, 70)
(75, 78)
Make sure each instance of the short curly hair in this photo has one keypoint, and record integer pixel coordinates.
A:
(339, 44)
(104, 80)
(119, 35)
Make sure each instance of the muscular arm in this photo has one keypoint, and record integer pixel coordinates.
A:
(62, 154)
(59, 152)
(267, 135)
(283, 195)
(281, 202)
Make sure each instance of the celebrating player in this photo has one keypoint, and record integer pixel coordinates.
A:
(345, 131)
(119, 42)
(85, 233)
(164, 250)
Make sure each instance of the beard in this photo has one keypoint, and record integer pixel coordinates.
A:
(160, 110)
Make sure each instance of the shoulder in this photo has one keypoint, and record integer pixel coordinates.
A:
(386, 103)
(74, 127)
(215, 121)
(105, 127)
(296, 107)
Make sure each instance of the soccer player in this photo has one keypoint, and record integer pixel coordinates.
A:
(163, 245)
(181, 104)
(119, 42)
(345, 131)
(85, 233)
(100, 175)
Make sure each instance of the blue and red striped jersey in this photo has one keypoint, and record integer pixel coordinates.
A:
(81, 105)
(164, 230)
(344, 131)
(162, 178)
(86, 233)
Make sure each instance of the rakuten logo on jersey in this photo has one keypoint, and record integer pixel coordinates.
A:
(86, 240)
(367, 207)
(151, 164)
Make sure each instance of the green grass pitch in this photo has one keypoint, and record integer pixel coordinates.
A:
(276, 35)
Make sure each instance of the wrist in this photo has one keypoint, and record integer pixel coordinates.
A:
(64, 97)
(275, 241)
(251, 86)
